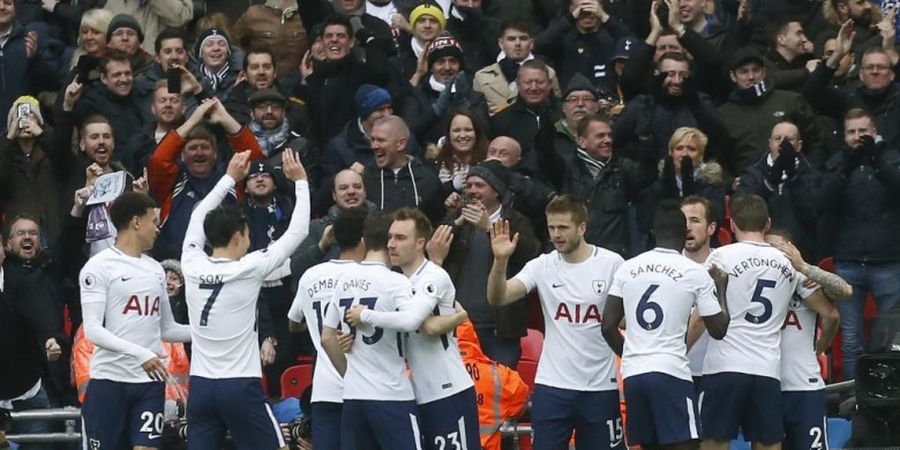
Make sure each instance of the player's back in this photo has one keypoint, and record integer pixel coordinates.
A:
(761, 282)
(314, 293)
(659, 290)
(799, 366)
(435, 361)
(376, 369)
(221, 297)
(132, 289)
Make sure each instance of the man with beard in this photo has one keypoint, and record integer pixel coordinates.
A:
(878, 95)
(261, 71)
(181, 187)
(754, 106)
(701, 227)
(674, 102)
(576, 384)
(861, 14)
(115, 97)
(168, 110)
(329, 85)
(497, 82)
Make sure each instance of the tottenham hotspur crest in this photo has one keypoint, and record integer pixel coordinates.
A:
(95, 444)
(599, 286)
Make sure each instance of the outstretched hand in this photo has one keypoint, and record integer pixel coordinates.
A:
(291, 166)
(502, 245)
(239, 166)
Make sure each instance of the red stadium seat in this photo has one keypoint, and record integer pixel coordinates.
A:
(724, 232)
(532, 345)
(527, 370)
(295, 380)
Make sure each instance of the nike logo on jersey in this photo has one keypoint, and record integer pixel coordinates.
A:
(554, 285)
(124, 279)
(154, 436)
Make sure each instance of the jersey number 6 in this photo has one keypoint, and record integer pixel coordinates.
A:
(645, 304)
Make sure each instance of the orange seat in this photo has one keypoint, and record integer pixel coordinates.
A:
(295, 380)
(532, 345)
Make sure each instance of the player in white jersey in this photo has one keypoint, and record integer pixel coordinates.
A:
(379, 405)
(656, 293)
(314, 293)
(701, 227)
(741, 373)
(221, 292)
(126, 313)
(576, 384)
(802, 387)
(444, 391)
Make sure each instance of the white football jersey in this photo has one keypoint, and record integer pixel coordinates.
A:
(314, 293)
(437, 368)
(376, 369)
(799, 365)
(134, 291)
(659, 289)
(761, 282)
(573, 296)
(222, 293)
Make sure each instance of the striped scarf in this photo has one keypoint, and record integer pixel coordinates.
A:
(215, 79)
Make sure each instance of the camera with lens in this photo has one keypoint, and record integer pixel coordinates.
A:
(300, 429)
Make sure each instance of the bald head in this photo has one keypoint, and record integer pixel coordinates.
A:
(349, 190)
(388, 142)
(506, 150)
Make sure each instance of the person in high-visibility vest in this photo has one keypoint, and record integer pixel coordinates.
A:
(500, 392)
(178, 366)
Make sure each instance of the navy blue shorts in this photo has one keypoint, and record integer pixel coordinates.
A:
(230, 404)
(594, 416)
(451, 422)
(662, 410)
(805, 419)
(380, 424)
(122, 415)
(326, 425)
(730, 401)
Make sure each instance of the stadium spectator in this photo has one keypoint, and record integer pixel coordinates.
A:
(465, 144)
(534, 103)
(476, 32)
(153, 15)
(125, 36)
(261, 71)
(115, 97)
(789, 59)
(171, 52)
(218, 65)
(168, 112)
(91, 36)
(425, 23)
(23, 68)
(277, 27)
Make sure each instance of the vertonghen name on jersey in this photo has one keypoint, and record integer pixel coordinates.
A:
(786, 270)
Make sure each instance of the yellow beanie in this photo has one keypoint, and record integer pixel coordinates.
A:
(427, 10)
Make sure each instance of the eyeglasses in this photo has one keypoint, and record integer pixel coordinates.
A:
(875, 68)
(582, 99)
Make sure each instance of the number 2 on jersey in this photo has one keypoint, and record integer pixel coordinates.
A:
(215, 288)
(758, 298)
(644, 305)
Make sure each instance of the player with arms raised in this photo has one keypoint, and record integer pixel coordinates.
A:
(221, 292)
(126, 313)
(741, 386)
(576, 386)
(656, 292)
(379, 404)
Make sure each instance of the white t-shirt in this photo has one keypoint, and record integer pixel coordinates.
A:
(573, 296)
(799, 365)
(314, 293)
(134, 292)
(437, 368)
(659, 289)
(221, 293)
(761, 282)
(376, 369)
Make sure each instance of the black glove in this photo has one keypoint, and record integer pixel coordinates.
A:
(667, 181)
(644, 126)
(788, 158)
(773, 176)
(852, 160)
(691, 91)
(364, 36)
(688, 187)
(870, 151)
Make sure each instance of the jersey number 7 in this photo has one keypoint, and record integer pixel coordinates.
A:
(215, 288)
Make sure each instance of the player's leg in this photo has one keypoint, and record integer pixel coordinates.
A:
(326, 425)
(206, 430)
(641, 430)
(675, 410)
(763, 423)
(552, 416)
(145, 415)
(451, 422)
(598, 421)
(104, 415)
(804, 421)
(395, 424)
(248, 417)
(723, 399)
(357, 433)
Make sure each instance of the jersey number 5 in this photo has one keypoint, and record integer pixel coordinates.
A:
(644, 305)
(758, 298)
(215, 288)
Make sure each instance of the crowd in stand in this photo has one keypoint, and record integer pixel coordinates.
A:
(502, 106)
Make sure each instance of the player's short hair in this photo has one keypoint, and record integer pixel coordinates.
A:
(128, 206)
(669, 223)
(221, 223)
(698, 200)
(423, 225)
(782, 233)
(377, 226)
(570, 204)
(586, 122)
(750, 213)
(349, 225)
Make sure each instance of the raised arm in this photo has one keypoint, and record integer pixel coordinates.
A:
(501, 291)
(833, 286)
